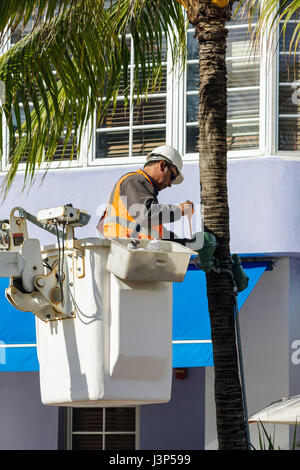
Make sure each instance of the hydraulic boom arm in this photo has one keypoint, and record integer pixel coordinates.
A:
(36, 284)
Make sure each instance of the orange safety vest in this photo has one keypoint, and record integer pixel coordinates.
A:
(117, 221)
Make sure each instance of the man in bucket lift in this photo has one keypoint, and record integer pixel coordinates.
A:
(133, 210)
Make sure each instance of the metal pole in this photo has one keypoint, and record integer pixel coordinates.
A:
(48, 227)
(238, 334)
(239, 348)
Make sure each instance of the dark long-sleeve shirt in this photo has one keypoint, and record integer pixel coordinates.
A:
(139, 195)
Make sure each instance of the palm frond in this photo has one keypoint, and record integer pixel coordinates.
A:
(17, 13)
(74, 62)
(151, 25)
(184, 3)
(273, 16)
(55, 75)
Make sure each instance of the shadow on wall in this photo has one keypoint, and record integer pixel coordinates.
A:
(179, 424)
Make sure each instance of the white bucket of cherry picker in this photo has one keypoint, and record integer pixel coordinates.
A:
(166, 261)
(117, 349)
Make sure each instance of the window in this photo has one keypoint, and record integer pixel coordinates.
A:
(243, 66)
(61, 154)
(135, 130)
(289, 89)
(171, 113)
(103, 428)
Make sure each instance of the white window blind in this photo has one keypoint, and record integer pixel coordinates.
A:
(289, 89)
(243, 81)
(134, 131)
(61, 153)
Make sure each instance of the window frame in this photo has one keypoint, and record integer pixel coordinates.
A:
(287, 154)
(103, 433)
(176, 107)
(53, 165)
(239, 153)
(132, 160)
(176, 102)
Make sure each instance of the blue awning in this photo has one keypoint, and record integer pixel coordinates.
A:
(17, 336)
(192, 345)
(191, 326)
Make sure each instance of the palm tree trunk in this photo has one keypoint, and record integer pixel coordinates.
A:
(209, 22)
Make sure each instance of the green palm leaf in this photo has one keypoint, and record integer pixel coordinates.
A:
(56, 74)
(274, 15)
(74, 62)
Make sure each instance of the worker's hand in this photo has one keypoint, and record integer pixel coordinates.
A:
(187, 208)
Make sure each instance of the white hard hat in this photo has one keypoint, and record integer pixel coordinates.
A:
(170, 155)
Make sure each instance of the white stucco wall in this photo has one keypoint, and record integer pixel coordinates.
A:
(263, 195)
(270, 325)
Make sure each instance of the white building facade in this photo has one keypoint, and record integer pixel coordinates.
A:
(263, 184)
